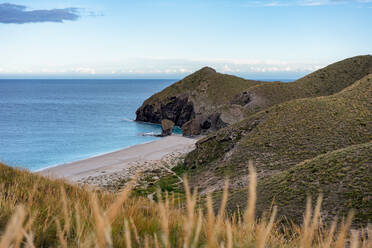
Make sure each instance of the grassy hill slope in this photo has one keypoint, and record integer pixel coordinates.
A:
(326, 81)
(216, 88)
(206, 100)
(343, 177)
(282, 136)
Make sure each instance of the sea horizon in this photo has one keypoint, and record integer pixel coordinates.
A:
(33, 113)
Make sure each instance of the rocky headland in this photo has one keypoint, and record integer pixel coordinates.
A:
(207, 101)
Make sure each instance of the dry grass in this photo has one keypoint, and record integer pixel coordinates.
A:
(37, 212)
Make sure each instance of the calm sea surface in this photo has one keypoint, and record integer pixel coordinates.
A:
(49, 122)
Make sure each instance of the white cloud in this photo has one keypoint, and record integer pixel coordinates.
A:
(171, 66)
(84, 70)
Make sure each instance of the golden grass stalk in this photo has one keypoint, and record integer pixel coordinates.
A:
(211, 234)
(14, 228)
(341, 238)
(115, 207)
(164, 218)
(329, 235)
(189, 220)
(366, 237)
(103, 229)
(229, 235)
(128, 241)
(29, 240)
(135, 231)
(197, 231)
(66, 211)
(223, 203)
(249, 216)
(264, 229)
(156, 241)
(354, 239)
(61, 235)
(310, 224)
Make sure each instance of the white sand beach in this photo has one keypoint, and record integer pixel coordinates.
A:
(102, 169)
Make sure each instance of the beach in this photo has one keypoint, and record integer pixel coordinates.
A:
(117, 166)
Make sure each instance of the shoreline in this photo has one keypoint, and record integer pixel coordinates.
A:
(90, 157)
(123, 163)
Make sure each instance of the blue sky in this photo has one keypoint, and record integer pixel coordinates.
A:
(170, 38)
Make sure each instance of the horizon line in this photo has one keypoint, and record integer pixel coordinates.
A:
(135, 78)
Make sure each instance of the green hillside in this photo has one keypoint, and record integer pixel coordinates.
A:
(323, 82)
(343, 177)
(214, 87)
(282, 136)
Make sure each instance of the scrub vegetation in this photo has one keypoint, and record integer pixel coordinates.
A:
(38, 212)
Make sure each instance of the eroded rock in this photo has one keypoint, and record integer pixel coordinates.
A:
(176, 108)
(242, 99)
(203, 124)
(191, 128)
(167, 127)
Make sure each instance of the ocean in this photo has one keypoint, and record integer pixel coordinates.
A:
(49, 122)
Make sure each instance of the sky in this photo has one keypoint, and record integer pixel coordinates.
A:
(172, 38)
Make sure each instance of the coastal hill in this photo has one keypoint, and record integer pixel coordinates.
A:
(282, 136)
(200, 96)
(284, 129)
(206, 101)
(343, 177)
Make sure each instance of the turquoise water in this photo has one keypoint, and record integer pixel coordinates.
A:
(49, 122)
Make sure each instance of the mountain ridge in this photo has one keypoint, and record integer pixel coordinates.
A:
(206, 100)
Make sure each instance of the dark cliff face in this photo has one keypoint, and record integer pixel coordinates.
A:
(147, 113)
(177, 109)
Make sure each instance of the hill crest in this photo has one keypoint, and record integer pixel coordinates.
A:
(283, 135)
(207, 101)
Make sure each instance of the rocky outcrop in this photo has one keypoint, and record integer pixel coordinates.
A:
(166, 127)
(203, 124)
(242, 99)
(191, 128)
(178, 109)
(195, 103)
(148, 113)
